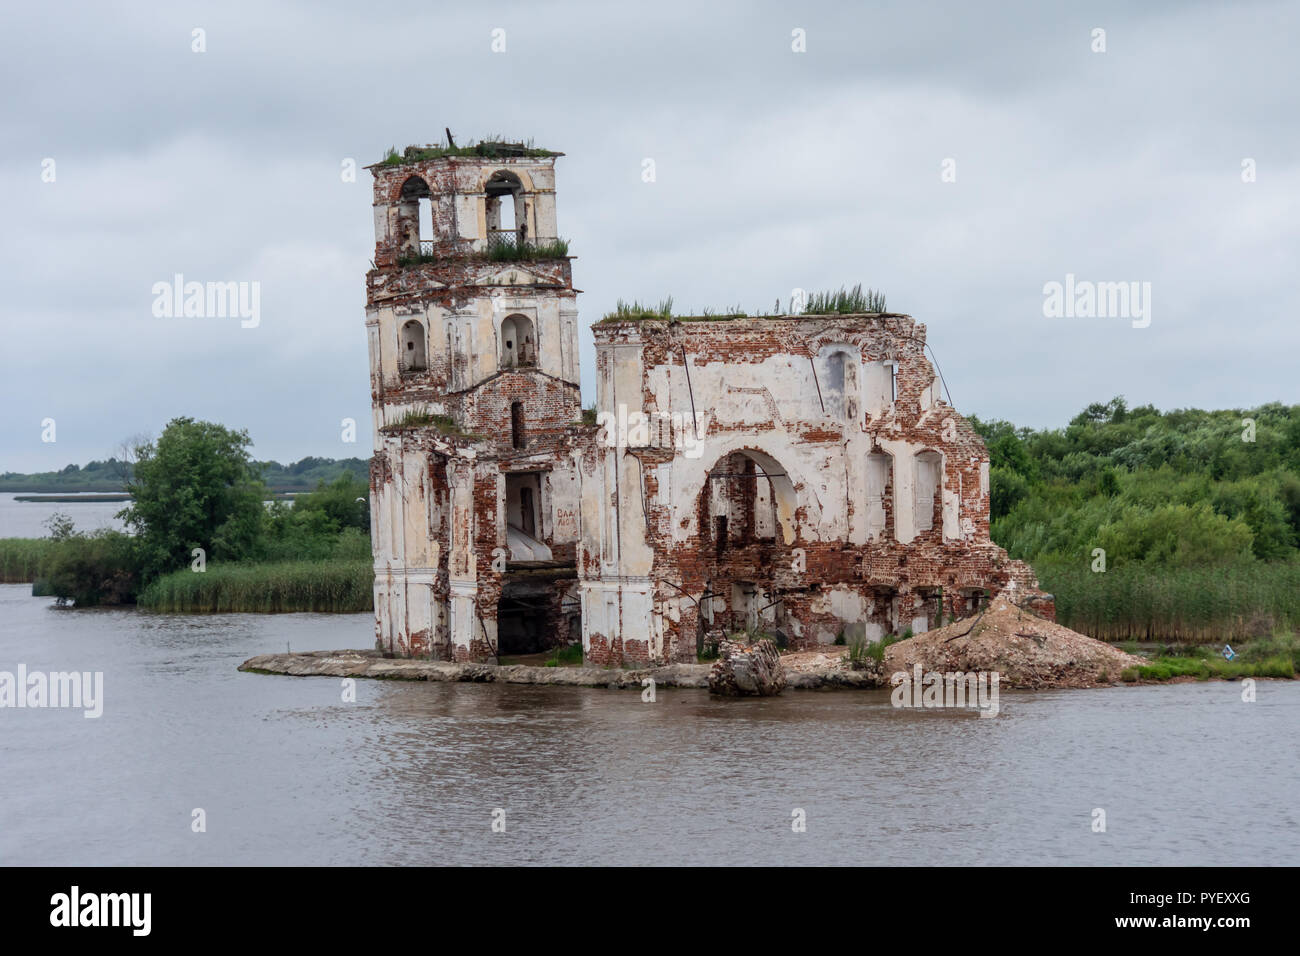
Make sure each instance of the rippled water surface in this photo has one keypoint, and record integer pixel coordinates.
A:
(411, 773)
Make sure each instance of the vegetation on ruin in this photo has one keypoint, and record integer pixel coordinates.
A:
(526, 251)
(491, 147)
(1199, 524)
(416, 259)
(634, 311)
(833, 302)
(423, 418)
(501, 252)
(845, 302)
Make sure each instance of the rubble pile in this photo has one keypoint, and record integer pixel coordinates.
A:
(747, 670)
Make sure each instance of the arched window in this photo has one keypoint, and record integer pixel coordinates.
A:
(415, 217)
(834, 387)
(518, 344)
(880, 507)
(839, 387)
(413, 351)
(505, 213)
(517, 437)
(926, 488)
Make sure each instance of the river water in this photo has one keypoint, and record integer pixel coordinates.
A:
(26, 519)
(288, 773)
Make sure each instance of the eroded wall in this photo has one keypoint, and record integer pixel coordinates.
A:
(796, 474)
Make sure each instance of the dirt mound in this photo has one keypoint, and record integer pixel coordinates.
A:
(1025, 650)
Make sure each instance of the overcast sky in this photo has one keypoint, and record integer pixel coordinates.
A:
(774, 170)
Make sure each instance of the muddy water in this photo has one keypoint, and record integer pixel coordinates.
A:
(287, 772)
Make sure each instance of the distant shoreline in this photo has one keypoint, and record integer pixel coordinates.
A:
(70, 498)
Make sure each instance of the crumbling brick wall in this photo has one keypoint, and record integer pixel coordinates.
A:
(760, 389)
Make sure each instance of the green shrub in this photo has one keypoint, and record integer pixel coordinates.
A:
(101, 567)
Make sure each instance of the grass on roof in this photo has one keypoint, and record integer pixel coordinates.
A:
(494, 147)
(845, 302)
(423, 418)
(840, 302)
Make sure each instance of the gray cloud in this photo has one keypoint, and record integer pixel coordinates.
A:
(775, 170)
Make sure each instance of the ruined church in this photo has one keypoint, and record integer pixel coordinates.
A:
(796, 475)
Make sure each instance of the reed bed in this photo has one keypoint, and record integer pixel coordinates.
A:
(20, 558)
(339, 586)
(1185, 605)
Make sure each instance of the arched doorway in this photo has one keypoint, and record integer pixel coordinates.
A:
(504, 196)
(748, 523)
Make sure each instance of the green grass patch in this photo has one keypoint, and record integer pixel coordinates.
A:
(568, 655)
(338, 586)
(1273, 656)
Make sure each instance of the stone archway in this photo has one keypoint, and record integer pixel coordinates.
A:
(748, 514)
(752, 477)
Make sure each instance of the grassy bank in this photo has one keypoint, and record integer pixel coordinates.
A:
(337, 586)
(1265, 657)
(20, 558)
(1188, 605)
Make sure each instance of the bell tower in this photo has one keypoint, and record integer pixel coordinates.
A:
(471, 321)
(471, 280)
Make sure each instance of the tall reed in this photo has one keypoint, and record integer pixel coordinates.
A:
(20, 558)
(337, 586)
(1189, 605)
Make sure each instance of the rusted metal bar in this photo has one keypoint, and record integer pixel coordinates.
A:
(694, 423)
(813, 362)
